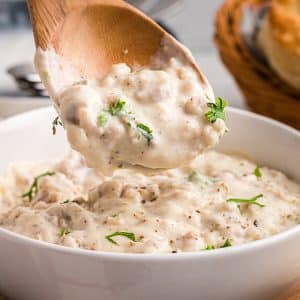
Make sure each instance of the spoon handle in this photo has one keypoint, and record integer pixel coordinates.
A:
(45, 17)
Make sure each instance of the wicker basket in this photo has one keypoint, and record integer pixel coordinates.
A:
(292, 294)
(264, 91)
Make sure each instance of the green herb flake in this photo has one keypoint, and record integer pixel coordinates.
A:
(102, 119)
(209, 247)
(193, 176)
(145, 131)
(33, 189)
(69, 201)
(117, 108)
(248, 201)
(257, 172)
(64, 231)
(128, 235)
(56, 122)
(227, 243)
(216, 110)
(239, 208)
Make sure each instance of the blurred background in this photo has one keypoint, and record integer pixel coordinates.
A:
(191, 21)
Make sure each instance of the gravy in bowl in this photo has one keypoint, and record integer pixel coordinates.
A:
(216, 201)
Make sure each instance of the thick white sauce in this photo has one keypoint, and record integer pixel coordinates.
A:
(151, 118)
(159, 122)
(170, 211)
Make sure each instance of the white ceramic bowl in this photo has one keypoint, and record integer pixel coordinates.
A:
(33, 270)
(10, 106)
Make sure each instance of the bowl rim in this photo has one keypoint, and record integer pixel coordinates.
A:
(258, 245)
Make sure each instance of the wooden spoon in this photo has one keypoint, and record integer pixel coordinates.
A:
(92, 35)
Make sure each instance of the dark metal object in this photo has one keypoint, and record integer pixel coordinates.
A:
(13, 14)
(27, 79)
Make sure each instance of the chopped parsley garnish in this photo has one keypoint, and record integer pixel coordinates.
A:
(119, 108)
(257, 172)
(71, 201)
(145, 131)
(248, 201)
(128, 235)
(64, 231)
(210, 247)
(226, 244)
(102, 119)
(216, 110)
(193, 176)
(55, 123)
(116, 108)
(34, 186)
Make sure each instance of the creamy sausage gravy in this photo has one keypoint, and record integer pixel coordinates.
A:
(158, 119)
(177, 210)
(149, 117)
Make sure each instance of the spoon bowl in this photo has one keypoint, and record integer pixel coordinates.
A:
(91, 36)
